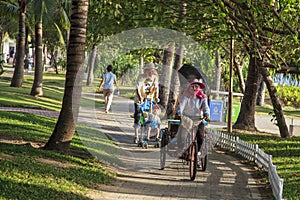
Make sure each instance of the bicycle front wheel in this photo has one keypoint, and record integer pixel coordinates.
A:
(193, 160)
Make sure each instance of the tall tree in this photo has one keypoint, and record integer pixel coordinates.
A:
(91, 65)
(164, 87)
(1, 50)
(65, 127)
(246, 119)
(260, 100)
(264, 25)
(217, 77)
(178, 59)
(277, 108)
(37, 87)
(175, 84)
(18, 75)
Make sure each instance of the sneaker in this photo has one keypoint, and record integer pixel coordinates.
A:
(106, 111)
(136, 140)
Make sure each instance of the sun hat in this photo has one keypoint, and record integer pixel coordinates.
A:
(149, 65)
(196, 81)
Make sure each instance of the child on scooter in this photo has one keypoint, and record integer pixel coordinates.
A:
(154, 124)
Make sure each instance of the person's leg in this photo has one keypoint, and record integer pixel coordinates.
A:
(105, 92)
(110, 95)
(200, 135)
(148, 132)
(136, 125)
(157, 133)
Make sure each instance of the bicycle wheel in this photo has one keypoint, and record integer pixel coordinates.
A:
(163, 149)
(203, 163)
(193, 160)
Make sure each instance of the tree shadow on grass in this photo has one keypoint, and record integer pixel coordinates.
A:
(11, 189)
(60, 169)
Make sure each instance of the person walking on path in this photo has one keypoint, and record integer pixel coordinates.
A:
(147, 87)
(109, 80)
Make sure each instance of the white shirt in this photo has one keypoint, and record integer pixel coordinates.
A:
(110, 78)
(193, 106)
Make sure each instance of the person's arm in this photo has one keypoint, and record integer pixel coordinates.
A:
(139, 95)
(116, 84)
(205, 109)
(101, 83)
(156, 95)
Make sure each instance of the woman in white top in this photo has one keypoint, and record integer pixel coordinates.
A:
(109, 80)
(193, 105)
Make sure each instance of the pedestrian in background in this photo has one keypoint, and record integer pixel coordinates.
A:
(109, 81)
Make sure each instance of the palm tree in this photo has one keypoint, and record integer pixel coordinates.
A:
(37, 89)
(18, 75)
(165, 77)
(65, 127)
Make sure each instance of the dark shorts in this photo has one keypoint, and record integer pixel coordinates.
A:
(137, 115)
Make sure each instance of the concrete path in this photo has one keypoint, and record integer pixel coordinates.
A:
(139, 174)
(140, 177)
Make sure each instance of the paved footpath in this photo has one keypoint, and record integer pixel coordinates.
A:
(139, 176)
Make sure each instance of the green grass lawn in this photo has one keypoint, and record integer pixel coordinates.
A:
(288, 111)
(285, 155)
(28, 172)
(53, 88)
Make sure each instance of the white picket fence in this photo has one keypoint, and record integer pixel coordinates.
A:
(252, 153)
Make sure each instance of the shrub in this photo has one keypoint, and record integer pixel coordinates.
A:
(288, 95)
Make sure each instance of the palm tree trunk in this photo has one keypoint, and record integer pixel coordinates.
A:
(1, 49)
(37, 87)
(18, 75)
(65, 127)
(164, 87)
(175, 84)
(91, 65)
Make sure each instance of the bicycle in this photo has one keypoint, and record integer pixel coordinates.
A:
(190, 154)
(194, 160)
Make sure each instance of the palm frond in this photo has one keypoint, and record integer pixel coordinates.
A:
(9, 9)
(61, 37)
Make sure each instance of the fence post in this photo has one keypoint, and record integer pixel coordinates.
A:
(237, 145)
(270, 161)
(255, 153)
